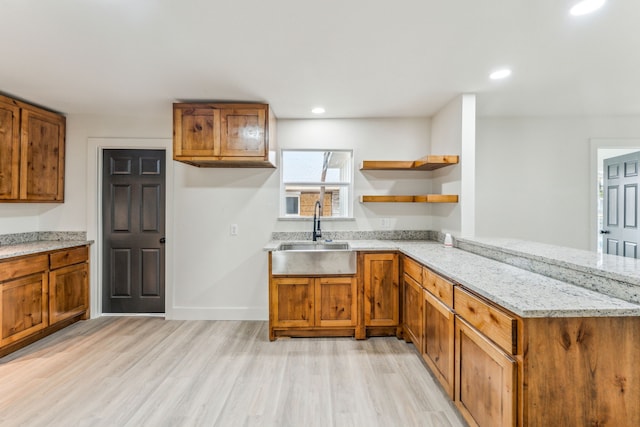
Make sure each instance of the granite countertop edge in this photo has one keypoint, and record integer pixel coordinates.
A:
(39, 246)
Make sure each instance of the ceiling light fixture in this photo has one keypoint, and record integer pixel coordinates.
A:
(500, 74)
(586, 6)
(318, 110)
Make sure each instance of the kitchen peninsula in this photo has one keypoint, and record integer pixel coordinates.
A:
(509, 345)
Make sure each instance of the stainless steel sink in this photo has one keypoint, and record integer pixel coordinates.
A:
(313, 258)
(314, 246)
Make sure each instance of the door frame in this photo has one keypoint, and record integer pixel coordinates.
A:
(596, 144)
(95, 147)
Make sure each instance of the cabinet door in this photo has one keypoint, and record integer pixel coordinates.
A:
(9, 151)
(485, 379)
(439, 337)
(292, 302)
(381, 290)
(23, 307)
(42, 156)
(336, 301)
(196, 131)
(68, 292)
(413, 314)
(242, 132)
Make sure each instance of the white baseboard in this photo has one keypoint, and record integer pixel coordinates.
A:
(218, 313)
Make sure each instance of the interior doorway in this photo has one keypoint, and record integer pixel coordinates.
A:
(133, 231)
(602, 149)
(620, 184)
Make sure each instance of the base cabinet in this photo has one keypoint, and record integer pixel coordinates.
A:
(485, 380)
(439, 338)
(306, 306)
(40, 294)
(23, 307)
(381, 289)
(413, 311)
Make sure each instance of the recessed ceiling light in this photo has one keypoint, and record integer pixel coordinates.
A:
(318, 110)
(586, 6)
(500, 74)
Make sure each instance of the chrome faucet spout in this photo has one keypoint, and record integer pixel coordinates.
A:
(317, 232)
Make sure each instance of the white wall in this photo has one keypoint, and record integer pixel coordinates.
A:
(214, 275)
(370, 139)
(453, 132)
(218, 276)
(533, 178)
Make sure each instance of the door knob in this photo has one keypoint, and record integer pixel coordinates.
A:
(604, 231)
(162, 240)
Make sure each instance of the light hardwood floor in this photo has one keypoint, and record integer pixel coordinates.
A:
(145, 371)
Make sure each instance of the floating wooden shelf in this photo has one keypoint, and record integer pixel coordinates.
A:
(427, 163)
(426, 198)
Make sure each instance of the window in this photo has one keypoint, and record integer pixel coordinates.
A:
(311, 175)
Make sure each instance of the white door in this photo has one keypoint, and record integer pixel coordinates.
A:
(621, 235)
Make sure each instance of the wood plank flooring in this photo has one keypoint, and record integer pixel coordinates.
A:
(146, 371)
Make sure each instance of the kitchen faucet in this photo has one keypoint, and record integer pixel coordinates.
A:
(316, 221)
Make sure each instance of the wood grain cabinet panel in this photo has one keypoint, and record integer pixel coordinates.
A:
(69, 292)
(9, 150)
(23, 307)
(312, 306)
(224, 134)
(413, 317)
(335, 301)
(32, 166)
(381, 289)
(485, 379)
(292, 301)
(496, 324)
(439, 338)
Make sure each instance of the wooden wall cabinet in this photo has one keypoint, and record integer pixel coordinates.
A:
(224, 134)
(40, 294)
(380, 276)
(32, 153)
(312, 306)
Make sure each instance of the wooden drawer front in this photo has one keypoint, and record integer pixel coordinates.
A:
(23, 267)
(413, 269)
(68, 257)
(438, 286)
(492, 322)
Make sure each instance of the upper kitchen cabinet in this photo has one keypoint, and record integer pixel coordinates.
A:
(224, 135)
(32, 149)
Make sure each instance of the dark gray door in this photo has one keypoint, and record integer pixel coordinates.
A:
(621, 235)
(133, 226)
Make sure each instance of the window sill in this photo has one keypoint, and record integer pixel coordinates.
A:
(309, 218)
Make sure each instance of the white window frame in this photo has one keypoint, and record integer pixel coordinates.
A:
(348, 184)
(291, 194)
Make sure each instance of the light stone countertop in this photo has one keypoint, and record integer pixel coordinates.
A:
(523, 292)
(611, 266)
(31, 248)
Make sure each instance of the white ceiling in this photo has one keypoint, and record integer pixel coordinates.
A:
(357, 58)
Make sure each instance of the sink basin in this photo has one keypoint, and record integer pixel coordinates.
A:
(314, 246)
(313, 259)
